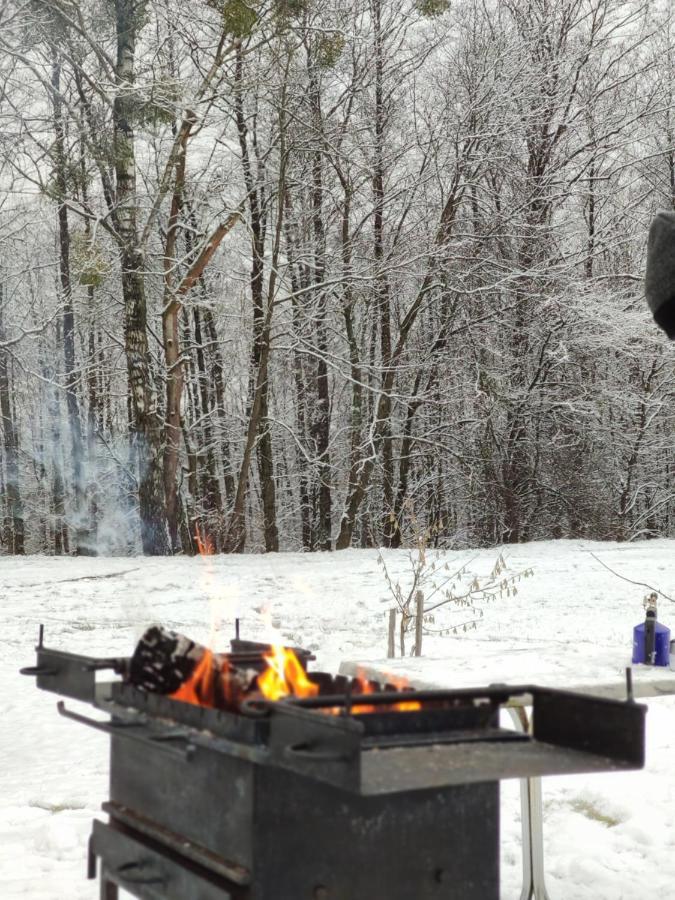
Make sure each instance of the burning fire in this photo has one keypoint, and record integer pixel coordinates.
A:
(199, 687)
(363, 686)
(212, 681)
(285, 676)
(204, 545)
(401, 684)
(208, 679)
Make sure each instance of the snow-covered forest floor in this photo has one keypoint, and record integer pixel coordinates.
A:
(608, 837)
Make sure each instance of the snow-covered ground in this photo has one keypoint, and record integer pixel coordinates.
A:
(608, 837)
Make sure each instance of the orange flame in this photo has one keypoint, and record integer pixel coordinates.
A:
(285, 676)
(405, 705)
(202, 687)
(204, 544)
(363, 686)
(199, 687)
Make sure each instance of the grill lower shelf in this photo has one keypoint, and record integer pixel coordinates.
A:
(147, 870)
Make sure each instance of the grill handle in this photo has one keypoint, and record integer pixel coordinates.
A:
(316, 754)
(120, 728)
(38, 670)
(139, 872)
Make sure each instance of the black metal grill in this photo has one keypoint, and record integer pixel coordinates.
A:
(304, 798)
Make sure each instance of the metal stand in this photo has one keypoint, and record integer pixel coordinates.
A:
(532, 823)
(109, 890)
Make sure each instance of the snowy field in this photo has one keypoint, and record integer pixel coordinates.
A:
(608, 837)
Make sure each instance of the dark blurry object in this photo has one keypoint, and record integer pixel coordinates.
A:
(660, 276)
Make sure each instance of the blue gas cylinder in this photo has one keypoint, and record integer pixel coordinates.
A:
(651, 640)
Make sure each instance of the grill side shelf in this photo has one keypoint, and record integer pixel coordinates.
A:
(611, 728)
(460, 736)
(70, 674)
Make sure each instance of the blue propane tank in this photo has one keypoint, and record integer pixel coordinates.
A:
(651, 639)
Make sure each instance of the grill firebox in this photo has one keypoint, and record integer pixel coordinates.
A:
(306, 798)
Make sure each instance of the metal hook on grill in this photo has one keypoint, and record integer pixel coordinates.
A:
(256, 709)
(37, 670)
(136, 730)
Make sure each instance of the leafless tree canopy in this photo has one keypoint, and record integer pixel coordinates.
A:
(283, 274)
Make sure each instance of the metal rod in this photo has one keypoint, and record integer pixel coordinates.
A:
(236, 628)
(537, 839)
(630, 696)
(650, 639)
(348, 700)
(41, 634)
(522, 725)
(387, 697)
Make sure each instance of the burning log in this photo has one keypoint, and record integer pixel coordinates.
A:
(166, 662)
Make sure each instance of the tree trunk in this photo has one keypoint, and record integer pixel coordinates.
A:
(146, 430)
(59, 529)
(383, 298)
(82, 542)
(211, 376)
(361, 471)
(219, 384)
(172, 353)
(209, 483)
(173, 305)
(257, 223)
(94, 373)
(236, 532)
(94, 421)
(10, 446)
(299, 279)
(321, 424)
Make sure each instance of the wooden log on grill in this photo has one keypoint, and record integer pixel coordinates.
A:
(166, 662)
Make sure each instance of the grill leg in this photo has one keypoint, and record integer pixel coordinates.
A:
(537, 839)
(532, 823)
(109, 890)
(528, 887)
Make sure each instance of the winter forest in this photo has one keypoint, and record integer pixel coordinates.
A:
(289, 274)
